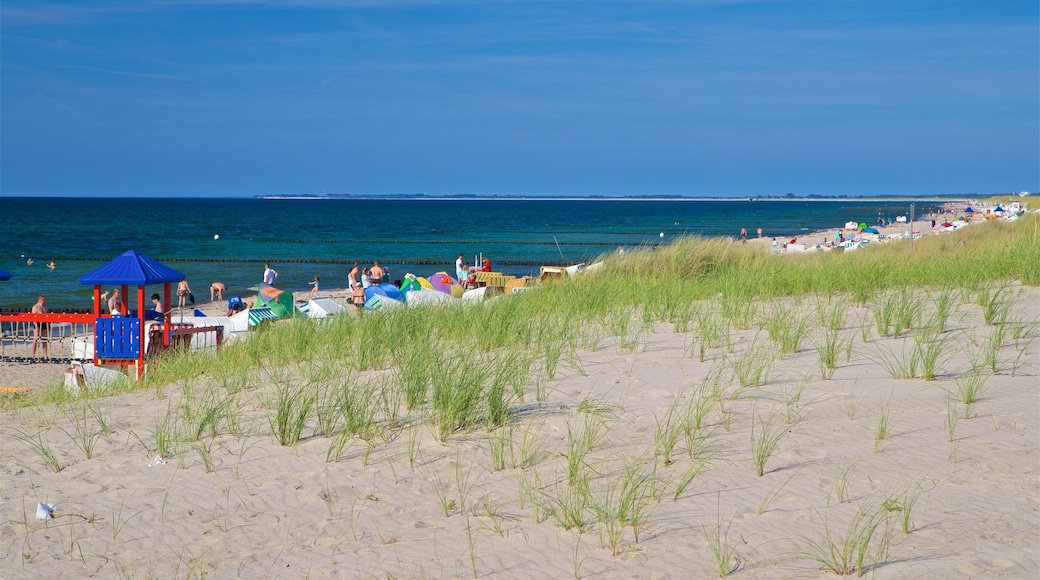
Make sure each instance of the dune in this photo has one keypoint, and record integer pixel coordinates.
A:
(602, 470)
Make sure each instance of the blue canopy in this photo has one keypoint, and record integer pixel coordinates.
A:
(384, 289)
(132, 269)
(4, 275)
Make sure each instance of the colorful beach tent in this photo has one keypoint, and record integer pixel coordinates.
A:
(410, 283)
(4, 275)
(279, 301)
(322, 308)
(384, 289)
(871, 231)
(443, 282)
(427, 297)
(252, 317)
(381, 302)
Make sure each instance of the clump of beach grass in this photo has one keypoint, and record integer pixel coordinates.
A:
(41, 448)
(723, 550)
(830, 347)
(860, 548)
(970, 387)
(293, 408)
(902, 363)
(764, 443)
(883, 427)
(712, 333)
(831, 313)
(787, 326)
(751, 368)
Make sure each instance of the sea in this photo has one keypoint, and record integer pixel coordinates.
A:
(229, 240)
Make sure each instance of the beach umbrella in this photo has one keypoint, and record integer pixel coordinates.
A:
(4, 275)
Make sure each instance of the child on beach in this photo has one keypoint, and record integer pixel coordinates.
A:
(314, 291)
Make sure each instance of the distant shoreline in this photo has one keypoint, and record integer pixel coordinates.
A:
(933, 198)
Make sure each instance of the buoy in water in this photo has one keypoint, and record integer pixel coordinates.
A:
(216, 236)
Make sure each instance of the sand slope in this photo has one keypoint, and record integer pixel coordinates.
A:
(264, 510)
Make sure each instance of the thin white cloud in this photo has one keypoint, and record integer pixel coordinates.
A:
(134, 74)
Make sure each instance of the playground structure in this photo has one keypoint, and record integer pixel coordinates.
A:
(124, 338)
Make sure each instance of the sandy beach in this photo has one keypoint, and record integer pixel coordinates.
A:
(238, 504)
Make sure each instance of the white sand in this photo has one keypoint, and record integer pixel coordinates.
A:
(271, 511)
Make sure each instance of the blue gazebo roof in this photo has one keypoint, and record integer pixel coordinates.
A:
(132, 269)
(4, 275)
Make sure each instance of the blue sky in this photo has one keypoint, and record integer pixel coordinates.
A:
(732, 98)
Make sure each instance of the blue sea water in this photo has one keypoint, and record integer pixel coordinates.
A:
(303, 238)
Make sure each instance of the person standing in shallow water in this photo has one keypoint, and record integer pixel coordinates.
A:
(269, 275)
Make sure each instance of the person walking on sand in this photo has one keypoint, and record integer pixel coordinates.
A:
(314, 291)
(461, 272)
(376, 272)
(39, 328)
(760, 232)
(357, 297)
(354, 277)
(217, 289)
(269, 275)
(183, 290)
(743, 236)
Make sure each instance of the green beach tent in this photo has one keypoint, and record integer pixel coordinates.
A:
(279, 301)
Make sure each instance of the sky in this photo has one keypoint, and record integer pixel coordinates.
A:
(182, 98)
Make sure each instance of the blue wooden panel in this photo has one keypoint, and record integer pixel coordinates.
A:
(118, 338)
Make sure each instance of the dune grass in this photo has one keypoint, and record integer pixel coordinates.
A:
(863, 546)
